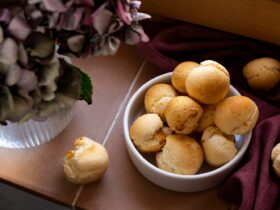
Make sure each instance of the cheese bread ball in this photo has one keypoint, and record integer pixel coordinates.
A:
(207, 118)
(180, 75)
(182, 114)
(236, 115)
(208, 83)
(218, 147)
(262, 73)
(157, 97)
(86, 163)
(148, 133)
(180, 155)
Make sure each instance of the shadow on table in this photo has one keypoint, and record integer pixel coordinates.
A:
(14, 199)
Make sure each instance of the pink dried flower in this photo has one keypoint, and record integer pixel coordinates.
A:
(36, 82)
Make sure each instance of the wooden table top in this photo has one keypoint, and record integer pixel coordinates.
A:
(39, 170)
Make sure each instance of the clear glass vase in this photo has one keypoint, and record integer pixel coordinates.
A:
(34, 133)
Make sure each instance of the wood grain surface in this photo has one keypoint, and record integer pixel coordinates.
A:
(258, 19)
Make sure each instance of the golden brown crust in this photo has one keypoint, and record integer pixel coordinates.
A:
(262, 73)
(157, 97)
(180, 155)
(207, 118)
(182, 114)
(216, 65)
(236, 115)
(148, 134)
(86, 163)
(180, 75)
(208, 83)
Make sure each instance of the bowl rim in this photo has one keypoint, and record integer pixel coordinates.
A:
(129, 143)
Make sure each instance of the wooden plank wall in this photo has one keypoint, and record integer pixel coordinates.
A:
(258, 19)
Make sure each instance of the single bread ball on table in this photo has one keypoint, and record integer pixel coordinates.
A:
(218, 147)
(208, 83)
(86, 163)
(236, 115)
(180, 75)
(207, 118)
(148, 133)
(275, 157)
(180, 155)
(262, 73)
(157, 97)
(182, 114)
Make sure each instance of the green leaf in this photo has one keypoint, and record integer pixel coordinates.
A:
(86, 88)
(69, 84)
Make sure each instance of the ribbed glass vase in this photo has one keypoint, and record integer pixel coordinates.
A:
(34, 133)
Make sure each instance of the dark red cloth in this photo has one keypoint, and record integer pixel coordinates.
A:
(253, 184)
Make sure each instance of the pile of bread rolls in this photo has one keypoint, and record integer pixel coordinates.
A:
(191, 121)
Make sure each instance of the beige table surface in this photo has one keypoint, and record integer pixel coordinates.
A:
(39, 171)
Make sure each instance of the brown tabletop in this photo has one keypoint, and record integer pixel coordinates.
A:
(39, 171)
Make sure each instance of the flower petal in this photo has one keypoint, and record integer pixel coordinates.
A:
(65, 101)
(49, 73)
(8, 51)
(40, 45)
(89, 3)
(138, 16)
(101, 20)
(33, 15)
(45, 110)
(6, 96)
(70, 20)
(3, 112)
(135, 4)
(1, 35)
(28, 80)
(110, 46)
(21, 108)
(54, 5)
(76, 43)
(23, 93)
(53, 20)
(13, 75)
(19, 28)
(48, 92)
(22, 55)
(4, 68)
(123, 13)
(5, 15)
(135, 35)
(115, 26)
(34, 1)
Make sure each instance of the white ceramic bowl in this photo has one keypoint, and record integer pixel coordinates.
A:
(183, 183)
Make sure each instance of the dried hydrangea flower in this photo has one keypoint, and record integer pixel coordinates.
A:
(100, 27)
(35, 81)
